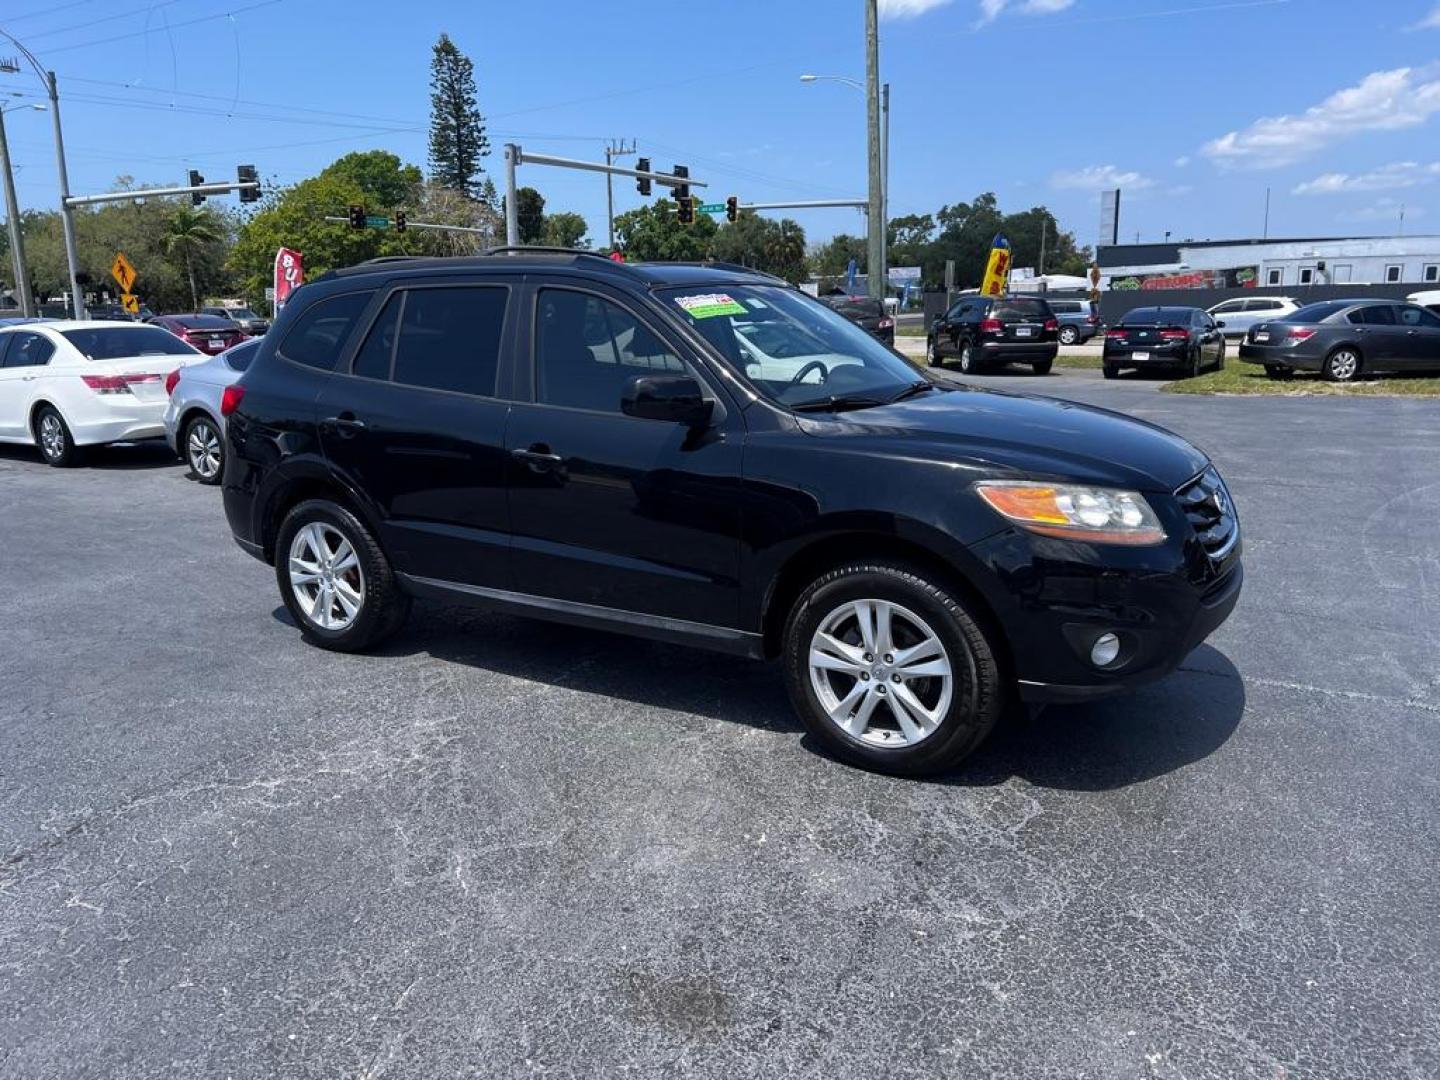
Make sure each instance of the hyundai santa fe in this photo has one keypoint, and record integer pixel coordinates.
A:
(704, 455)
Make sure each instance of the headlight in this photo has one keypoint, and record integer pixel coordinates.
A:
(1073, 512)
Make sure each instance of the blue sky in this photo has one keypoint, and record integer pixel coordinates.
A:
(1193, 107)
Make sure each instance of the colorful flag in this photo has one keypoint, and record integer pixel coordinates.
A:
(289, 274)
(997, 270)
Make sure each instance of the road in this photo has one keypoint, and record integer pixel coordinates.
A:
(499, 848)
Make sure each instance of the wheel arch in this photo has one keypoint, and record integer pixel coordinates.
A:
(300, 487)
(32, 422)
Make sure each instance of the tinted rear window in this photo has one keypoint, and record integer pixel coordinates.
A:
(238, 358)
(858, 308)
(317, 337)
(1313, 313)
(205, 322)
(1021, 309)
(1168, 316)
(111, 343)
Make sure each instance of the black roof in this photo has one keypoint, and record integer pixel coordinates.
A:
(523, 258)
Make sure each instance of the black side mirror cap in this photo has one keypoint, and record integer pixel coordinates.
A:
(667, 396)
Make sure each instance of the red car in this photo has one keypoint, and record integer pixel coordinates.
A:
(208, 333)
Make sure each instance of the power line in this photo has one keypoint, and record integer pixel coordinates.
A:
(172, 26)
(46, 11)
(92, 22)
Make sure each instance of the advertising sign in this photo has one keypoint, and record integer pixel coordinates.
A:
(289, 274)
(997, 270)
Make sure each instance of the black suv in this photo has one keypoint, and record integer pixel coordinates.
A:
(987, 331)
(705, 455)
(865, 312)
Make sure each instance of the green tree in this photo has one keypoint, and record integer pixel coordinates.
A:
(381, 175)
(653, 233)
(457, 130)
(565, 229)
(831, 258)
(774, 247)
(188, 232)
(530, 215)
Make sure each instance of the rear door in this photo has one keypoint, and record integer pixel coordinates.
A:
(1421, 342)
(1381, 339)
(415, 420)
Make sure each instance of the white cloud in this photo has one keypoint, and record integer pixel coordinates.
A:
(1182, 161)
(990, 10)
(1401, 174)
(1382, 101)
(1387, 210)
(1098, 178)
(1429, 22)
(908, 9)
(1178, 190)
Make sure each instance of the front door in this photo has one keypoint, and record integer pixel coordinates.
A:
(414, 422)
(611, 510)
(23, 356)
(1421, 343)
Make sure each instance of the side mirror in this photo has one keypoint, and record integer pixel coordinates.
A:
(1220, 324)
(672, 397)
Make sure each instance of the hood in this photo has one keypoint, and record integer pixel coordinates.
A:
(1038, 437)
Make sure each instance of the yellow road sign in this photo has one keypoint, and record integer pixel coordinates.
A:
(122, 271)
(130, 303)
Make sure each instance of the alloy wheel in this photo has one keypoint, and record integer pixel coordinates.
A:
(881, 673)
(52, 436)
(1344, 365)
(325, 576)
(203, 448)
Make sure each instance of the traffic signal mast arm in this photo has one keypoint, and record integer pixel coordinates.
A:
(219, 188)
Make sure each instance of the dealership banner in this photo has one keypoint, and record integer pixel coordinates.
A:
(997, 270)
(289, 274)
(1242, 277)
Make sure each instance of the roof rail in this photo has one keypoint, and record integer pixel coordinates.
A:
(390, 258)
(715, 264)
(542, 249)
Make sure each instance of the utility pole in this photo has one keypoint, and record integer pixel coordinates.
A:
(611, 153)
(1044, 231)
(875, 250)
(885, 185)
(1265, 229)
(12, 214)
(67, 216)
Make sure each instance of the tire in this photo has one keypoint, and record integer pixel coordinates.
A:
(1042, 367)
(1343, 365)
(1110, 372)
(946, 716)
(52, 436)
(1220, 360)
(1069, 335)
(1278, 373)
(1194, 372)
(203, 448)
(381, 608)
(969, 365)
(932, 354)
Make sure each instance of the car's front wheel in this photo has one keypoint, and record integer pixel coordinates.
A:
(1342, 365)
(57, 445)
(889, 670)
(204, 449)
(335, 580)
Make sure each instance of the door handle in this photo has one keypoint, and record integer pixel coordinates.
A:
(346, 423)
(538, 456)
(29, 378)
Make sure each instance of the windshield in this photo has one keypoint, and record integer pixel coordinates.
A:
(240, 313)
(111, 343)
(795, 350)
(856, 307)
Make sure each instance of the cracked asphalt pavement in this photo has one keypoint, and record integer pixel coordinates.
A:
(502, 848)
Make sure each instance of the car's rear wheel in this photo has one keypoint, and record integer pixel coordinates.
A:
(335, 580)
(1069, 335)
(52, 435)
(889, 670)
(204, 450)
(1042, 367)
(1278, 373)
(932, 353)
(1110, 371)
(969, 362)
(1342, 365)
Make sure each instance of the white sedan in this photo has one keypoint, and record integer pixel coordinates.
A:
(65, 385)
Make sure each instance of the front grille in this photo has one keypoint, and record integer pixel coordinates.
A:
(1211, 514)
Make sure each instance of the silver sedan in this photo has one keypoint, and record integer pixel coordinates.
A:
(194, 425)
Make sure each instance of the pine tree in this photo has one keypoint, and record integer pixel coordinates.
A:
(457, 130)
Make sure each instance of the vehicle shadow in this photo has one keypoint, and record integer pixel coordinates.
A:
(150, 454)
(1095, 747)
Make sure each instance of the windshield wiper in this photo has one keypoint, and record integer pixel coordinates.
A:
(918, 387)
(836, 402)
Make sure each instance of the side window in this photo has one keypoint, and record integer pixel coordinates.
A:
(1229, 307)
(317, 338)
(28, 350)
(956, 310)
(450, 338)
(1413, 315)
(587, 349)
(5, 340)
(1376, 316)
(238, 358)
(378, 353)
(1393, 273)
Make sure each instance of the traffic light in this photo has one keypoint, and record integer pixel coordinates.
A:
(196, 198)
(247, 175)
(687, 209)
(682, 191)
(399, 220)
(732, 208)
(642, 183)
(357, 215)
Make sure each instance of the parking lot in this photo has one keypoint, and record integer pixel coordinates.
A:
(504, 848)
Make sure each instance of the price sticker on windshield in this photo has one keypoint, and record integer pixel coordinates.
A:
(710, 305)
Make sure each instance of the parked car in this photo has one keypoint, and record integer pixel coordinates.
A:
(1237, 316)
(988, 331)
(563, 436)
(68, 385)
(1183, 338)
(1343, 339)
(210, 334)
(1077, 319)
(21, 320)
(1429, 299)
(195, 417)
(247, 320)
(108, 313)
(865, 312)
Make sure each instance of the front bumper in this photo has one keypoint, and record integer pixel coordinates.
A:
(1279, 356)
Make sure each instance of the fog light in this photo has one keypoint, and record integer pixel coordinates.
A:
(1105, 650)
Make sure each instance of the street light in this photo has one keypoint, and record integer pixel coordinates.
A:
(856, 84)
(12, 213)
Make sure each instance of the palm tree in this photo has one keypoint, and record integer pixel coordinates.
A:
(188, 231)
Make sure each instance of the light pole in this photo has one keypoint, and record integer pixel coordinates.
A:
(12, 214)
(856, 84)
(67, 217)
